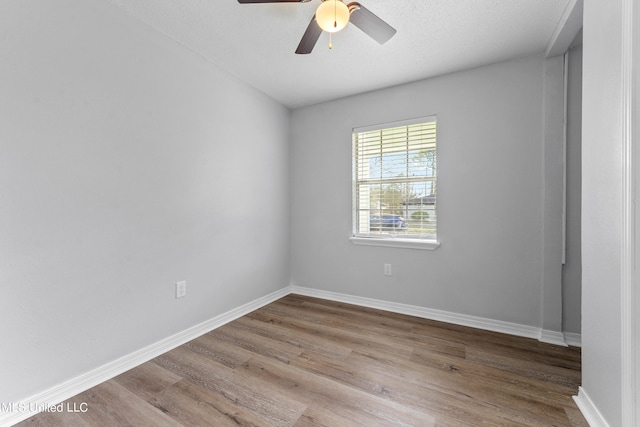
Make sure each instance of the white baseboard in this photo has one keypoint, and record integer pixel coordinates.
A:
(552, 337)
(589, 410)
(573, 339)
(426, 313)
(74, 386)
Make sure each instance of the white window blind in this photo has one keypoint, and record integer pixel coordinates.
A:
(394, 180)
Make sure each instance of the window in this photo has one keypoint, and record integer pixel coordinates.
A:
(394, 183)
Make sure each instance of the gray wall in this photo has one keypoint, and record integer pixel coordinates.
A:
(572, 270)
(552, 190)
(128, 163)
(490, 212)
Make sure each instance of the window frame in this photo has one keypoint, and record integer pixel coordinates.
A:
(413, 241)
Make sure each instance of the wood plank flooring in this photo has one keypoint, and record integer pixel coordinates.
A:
(303, 361)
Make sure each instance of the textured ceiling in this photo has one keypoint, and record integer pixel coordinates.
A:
(256, 42)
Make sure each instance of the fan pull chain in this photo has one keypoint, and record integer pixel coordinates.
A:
(335, 22)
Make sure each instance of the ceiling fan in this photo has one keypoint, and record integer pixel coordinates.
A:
(332, 16)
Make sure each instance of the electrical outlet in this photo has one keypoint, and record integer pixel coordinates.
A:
(181, 289)
(387, 269)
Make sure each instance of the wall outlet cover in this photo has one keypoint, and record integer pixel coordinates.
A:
(181, 289)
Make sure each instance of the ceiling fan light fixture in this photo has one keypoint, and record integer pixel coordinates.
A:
(332, 15)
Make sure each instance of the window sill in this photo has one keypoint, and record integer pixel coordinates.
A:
(396, 243)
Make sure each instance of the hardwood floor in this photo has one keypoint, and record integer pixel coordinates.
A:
(303, 361)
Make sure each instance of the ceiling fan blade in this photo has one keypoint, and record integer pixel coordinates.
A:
(310, 37)
(368, 22)
(271, 1)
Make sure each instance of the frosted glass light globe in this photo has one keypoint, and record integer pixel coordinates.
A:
(332, 15)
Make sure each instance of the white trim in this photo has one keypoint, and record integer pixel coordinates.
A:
(552, 337)
(565, 119)
(589, 410)
(397, 123)
(396, 243)
(103, 373)
(627, 311)
(425, 313)
(568, 27)
(573, 339)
